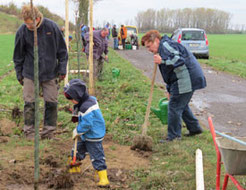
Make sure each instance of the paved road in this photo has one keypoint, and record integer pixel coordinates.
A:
(224, 98)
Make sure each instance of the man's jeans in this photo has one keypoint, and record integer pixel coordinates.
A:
(178, 109)
(116, 43)
(96, 152)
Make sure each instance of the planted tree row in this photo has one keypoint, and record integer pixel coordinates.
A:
(167, 20)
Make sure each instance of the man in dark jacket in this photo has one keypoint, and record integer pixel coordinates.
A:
(100, 47)
(115, 36)
(183, 75)
(52, 60)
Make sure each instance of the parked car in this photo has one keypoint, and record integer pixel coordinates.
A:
(194, 39)
(132, 36)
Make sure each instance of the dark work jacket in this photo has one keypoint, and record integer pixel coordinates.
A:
(114, 32)
(52, 52)
(179, 68)
(100, 44)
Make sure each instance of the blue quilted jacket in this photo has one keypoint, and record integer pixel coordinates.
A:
(179, 68)
(91, 123)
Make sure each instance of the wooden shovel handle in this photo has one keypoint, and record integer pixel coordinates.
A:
(146, 119)
(75, 149)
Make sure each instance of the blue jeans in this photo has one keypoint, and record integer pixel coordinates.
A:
(96, 152)
(116, 43)
(178, 109)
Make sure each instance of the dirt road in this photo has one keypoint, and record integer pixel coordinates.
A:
(224, 98)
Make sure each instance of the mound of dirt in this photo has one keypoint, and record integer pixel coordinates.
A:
(142, 142)
(121, 162)
(60, 179)
(6, 127)
(4, 139)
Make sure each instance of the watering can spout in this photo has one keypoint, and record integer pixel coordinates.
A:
(162, 112)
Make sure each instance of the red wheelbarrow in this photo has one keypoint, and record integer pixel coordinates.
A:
(233, 153)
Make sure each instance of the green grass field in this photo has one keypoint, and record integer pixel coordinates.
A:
(9, 23)
(6, 53)
(228, 46)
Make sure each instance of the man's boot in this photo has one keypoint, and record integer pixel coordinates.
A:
(29, 111)
(103, 179)
(50, 118)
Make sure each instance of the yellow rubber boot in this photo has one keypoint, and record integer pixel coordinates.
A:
(103, 179)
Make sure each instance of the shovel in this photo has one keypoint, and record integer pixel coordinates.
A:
(144, 142)
(74, 167)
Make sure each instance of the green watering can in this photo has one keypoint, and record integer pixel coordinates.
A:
(162, 112)
(115, 73)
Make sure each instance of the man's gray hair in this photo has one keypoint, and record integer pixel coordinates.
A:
(104, 29)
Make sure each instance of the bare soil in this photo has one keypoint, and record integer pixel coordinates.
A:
(17, 164)
(224, 97)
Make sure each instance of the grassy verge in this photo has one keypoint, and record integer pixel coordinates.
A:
(123, 104)
(6, 53)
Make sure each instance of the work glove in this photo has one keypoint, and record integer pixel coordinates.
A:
(61, 77)
(75, 117)
(76, 134)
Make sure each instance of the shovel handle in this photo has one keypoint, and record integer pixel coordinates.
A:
(75, 149)
(146, 119)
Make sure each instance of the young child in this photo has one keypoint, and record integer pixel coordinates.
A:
(90, 129)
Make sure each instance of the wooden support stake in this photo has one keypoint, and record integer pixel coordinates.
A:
(67, 36)
(91, 75)
(36, 92)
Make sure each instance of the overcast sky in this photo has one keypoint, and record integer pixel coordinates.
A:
(120, 11)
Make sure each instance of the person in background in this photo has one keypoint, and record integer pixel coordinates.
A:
(100, 47)
(115, 37)
(90, 130)
(52, 59)
(84, 29)
(123, 35)
(62, 29)
(108, 27)
(183, 75)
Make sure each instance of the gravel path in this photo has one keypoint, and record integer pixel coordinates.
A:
(224, 98)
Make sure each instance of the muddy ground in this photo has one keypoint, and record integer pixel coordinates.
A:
(224, 98)
(17, 164)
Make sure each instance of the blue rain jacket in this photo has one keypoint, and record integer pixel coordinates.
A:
(91, 123)
(179, 68)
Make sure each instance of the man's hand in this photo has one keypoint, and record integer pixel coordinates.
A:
(168, 95)
(21, 81)
(61, 77)
(106, 58)
(157, 59)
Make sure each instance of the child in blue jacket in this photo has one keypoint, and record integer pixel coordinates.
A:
(90, 129)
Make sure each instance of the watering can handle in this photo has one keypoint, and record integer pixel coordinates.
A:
(162, 100)
(146, 119)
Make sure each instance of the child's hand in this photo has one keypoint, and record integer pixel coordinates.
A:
(76, 134)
